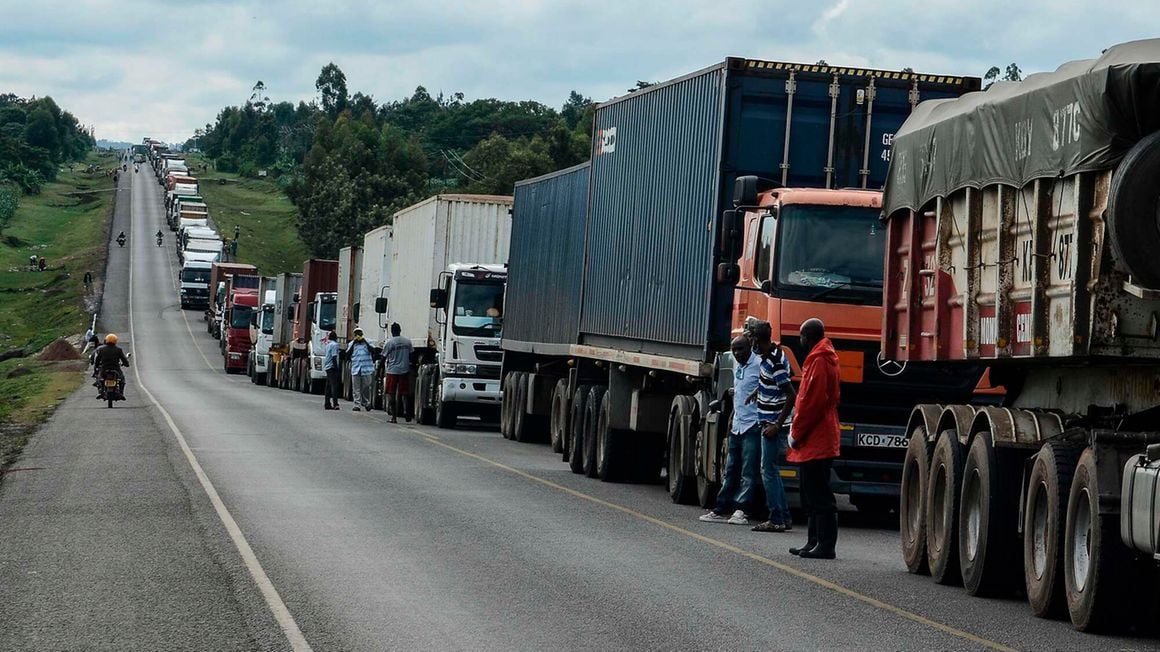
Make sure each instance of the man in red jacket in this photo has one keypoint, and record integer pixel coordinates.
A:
(815, 439)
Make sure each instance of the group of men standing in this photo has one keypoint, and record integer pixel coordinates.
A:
(763, 400)
(396, 356)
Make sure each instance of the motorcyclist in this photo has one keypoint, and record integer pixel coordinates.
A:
(159, 236)
(109, 357)
(121, 239)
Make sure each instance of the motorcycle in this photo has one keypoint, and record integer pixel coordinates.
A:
(158, 241)
(125, 167)
(120, 242)
(110, 388)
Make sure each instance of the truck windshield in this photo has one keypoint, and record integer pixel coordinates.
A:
(326, 315)
(835, 250)
(268, 320)
(240, 317)
(195, 276)
(478, 309)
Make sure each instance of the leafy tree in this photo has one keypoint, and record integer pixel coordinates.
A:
(494, 165)
(331, 85)
(576, 108)
(1012, 73)
(9, 200)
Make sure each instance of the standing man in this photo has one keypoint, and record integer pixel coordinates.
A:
(743, 460)
(362, 371)
(237, 231)
(330, 364)
(88, 282)
(815, 439)
(397, 358)
(775, 397)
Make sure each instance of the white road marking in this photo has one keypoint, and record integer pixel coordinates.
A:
(273, 600)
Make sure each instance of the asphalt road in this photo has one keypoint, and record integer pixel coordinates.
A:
(359, 535)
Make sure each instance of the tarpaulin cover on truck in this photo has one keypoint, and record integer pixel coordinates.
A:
(1082, 117)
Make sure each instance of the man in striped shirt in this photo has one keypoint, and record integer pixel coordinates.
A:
(775, 398)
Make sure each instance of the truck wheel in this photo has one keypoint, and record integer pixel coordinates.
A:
(260, 379)
(1043, 522)
(988, 544)
(1133, 210)
(317, 387)
(591, 422)
(445, 413)
(424, 415)
(576, 428)
(912, 518)
(682, 487)
(558, 419)
(1097, 569)
(505, 410)
(943, 502)
(611, 447)
(250, 371)
(522, 422)
(704, 450)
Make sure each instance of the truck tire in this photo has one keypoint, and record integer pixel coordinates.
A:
(942, 503)
(317, 387)
(576, 428)
(611, 447)
(1097, 568)
(591, 422)
(1044, 517)
(705, 449)
(522, 423)
(424, 415)
(912, 519)
(505, 407)
(682, 487)
(558, 421)
(989, 556)
(1134, 211)
(446, 415)
(260, 379)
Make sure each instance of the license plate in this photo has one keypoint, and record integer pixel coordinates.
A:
(110, 383)
(874, 440)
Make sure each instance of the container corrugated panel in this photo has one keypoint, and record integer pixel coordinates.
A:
(287, 286)
(376, 279)
(431, 235)
(349, 278)
(542, 300)
(663, 165)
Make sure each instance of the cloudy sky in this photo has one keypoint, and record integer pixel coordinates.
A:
(138, 67)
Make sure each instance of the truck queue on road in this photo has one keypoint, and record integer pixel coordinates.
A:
(998, 371)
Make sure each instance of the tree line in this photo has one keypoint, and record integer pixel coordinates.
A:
(348, 162)
(37, 137)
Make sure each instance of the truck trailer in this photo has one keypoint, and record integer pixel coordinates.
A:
(443, 283)
(649, 267)
(1021, 232)
(217, 289)
(350, 264)
(241, 302)
(262, 331)
(288, 286)
(315, 315)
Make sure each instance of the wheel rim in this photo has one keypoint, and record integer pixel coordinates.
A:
(1039, 532)
(911, 500)
(974, 514)
(938, 525)
(1081, 541)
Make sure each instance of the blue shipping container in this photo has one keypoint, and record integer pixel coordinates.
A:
(542, 304)
(663, 164)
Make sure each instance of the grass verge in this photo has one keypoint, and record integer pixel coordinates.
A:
(67, 224)
(268, 221)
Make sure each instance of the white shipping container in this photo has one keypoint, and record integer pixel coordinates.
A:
(349, 283)
(433, 234)
(376, 280)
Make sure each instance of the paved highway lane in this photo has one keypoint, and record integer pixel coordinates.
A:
(367, 536)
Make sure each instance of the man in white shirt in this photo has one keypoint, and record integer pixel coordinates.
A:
(744, 454)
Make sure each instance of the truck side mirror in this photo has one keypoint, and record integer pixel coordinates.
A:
(728, 273)
(767, 287)
(731, 235)
(745, 191)
(289, 313)
(310, 312)
(381, 305)
(438, 298)
(354, 317)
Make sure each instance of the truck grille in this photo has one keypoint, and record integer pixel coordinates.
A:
(487, 353)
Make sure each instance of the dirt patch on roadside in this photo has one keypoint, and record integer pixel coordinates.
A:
(59, 349)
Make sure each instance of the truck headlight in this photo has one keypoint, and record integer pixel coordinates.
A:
(468, 369)
(317, 363)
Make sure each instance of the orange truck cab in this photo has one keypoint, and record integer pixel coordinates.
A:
(819, 253)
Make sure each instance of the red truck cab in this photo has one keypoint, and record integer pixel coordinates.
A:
(240, 305)
(819, 253)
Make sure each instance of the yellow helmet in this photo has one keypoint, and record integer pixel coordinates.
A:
(111, 338)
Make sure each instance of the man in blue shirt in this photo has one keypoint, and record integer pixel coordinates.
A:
(775, 397)
(332, 366)
(362, 372)
(743, 460)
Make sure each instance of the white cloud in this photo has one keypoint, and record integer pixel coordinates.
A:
(147, 67)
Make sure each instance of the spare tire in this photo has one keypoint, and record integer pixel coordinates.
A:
(1134, 211)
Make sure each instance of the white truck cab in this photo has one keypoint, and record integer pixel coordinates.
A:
(262, 332)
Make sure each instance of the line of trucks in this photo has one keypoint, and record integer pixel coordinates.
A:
(996, 312)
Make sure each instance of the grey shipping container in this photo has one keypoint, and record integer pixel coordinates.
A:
(663, 164)
(542, 300)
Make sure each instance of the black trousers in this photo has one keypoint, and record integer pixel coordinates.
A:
(817, 497)
(333, 387)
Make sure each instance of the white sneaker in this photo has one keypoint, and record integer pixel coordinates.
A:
(738, 518)
(714, 517)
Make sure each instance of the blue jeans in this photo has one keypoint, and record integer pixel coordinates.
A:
(771, 478)
(742, 466)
